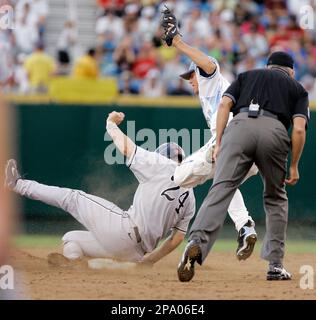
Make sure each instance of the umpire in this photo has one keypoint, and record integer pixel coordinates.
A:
(265, 103)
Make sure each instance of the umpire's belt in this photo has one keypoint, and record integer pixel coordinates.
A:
(261, 112)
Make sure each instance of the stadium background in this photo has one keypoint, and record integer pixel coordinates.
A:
(60, 108)
(70, 152)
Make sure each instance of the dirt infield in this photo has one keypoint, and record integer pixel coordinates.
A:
(222, 277)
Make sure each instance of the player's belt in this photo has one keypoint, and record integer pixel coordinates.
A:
(261, 112)
(137, 235)
(139, 239)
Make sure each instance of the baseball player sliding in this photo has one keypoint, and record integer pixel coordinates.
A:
(207, 81)
(159, 206)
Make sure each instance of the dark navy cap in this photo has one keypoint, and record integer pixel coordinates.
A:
(281, 58)
(187, 74)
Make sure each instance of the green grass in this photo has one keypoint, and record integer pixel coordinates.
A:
(222, 245)
(38, 241)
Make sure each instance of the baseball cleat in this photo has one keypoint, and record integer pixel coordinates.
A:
(11, 174)
(278, 273)
(247, 238)
(192, 253)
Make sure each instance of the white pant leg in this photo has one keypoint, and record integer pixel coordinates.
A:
(238, 211)
(252, 172)
(195, 169)
(107, 222)
(82, 243)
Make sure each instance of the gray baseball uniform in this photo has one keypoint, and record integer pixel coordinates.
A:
(159, 205)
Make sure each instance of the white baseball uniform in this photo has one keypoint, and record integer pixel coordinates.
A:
(197, 168)
(159, 205)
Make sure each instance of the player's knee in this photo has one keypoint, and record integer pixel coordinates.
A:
(72, 249)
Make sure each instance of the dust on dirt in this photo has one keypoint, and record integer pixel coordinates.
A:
(221, 277)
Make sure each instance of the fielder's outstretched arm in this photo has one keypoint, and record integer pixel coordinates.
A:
(122, 141)
(168, 246)
(197, 56)
(221, 121)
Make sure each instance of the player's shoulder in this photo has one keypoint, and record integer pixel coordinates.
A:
(216, 63)
(204, 75)
(214, 60)
(143, 156)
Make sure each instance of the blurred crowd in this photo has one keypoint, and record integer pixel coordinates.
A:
(24, 65)
(128, 46)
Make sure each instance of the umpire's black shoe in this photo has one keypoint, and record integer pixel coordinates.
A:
(278, 273)
(247, 238)
(192, 253)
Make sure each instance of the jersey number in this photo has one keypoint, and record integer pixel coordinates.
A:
(183, 197)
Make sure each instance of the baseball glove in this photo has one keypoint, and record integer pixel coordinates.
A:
(170, 25)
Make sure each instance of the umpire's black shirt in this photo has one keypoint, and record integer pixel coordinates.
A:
(274, 90)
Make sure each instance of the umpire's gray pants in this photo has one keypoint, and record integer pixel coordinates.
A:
(265, 141)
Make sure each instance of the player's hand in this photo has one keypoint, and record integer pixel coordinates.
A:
(294, 176)
(168, 17)
(116, 117)
(170, 25)
(215, 152)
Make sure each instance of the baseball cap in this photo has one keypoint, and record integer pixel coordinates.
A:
(281, 58)
(187, 74)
